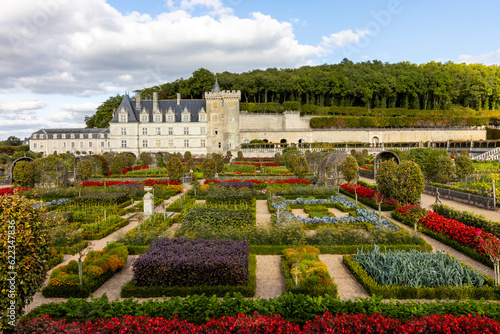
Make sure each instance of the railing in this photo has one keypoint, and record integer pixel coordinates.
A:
(366, 173)
(481, 201)
(489, 155)
(5, 182)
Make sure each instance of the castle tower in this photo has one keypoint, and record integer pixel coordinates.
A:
(223, 123)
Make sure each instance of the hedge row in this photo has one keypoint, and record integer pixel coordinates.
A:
(468, 218)
(489, 292)
(248, 290)
(395, 122)
(106, 232)
(293, 307)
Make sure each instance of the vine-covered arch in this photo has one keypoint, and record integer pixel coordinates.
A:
(383, 156)
(50, 171)
(13, 164)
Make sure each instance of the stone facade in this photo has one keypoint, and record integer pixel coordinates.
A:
(90, 141)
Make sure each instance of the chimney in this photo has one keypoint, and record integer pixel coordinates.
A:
(178, 99)
(138, 101)
(155, 101)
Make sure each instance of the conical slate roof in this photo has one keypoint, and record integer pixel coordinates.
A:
(216, 88)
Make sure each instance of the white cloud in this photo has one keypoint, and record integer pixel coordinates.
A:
(487, 58)
(20, 105)
(343, 37)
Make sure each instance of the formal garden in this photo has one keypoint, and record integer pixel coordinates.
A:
(294, 243)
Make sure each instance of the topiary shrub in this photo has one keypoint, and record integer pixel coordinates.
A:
(24, 174)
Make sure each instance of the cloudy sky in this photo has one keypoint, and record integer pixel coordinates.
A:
(60, 59)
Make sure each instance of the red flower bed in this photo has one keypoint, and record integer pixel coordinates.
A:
(327, 323)
(367, 168)
(148, 182)
(466, 235)
(286, 181)
(126, 170)
(11, 190)
(367, 193)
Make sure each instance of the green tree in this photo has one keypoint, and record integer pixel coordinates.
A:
(299, 166)
(428, 160)
(146, 158)
(386, 178)
(13, 141)
(209, 168)
(117, 164)
(445, 171)
(349, 169)
(219, 162)
(411, 183)
(463, 166)
(240, 155)
(104, 113)
(174, 168)
(464, 153)
(22, 229)
(84, 169)
(188, 155)
(24, 174)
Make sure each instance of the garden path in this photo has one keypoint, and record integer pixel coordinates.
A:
(112, 286)
(348, 286)
(338, 213)
(300, 212)
(262, 214)
(270, 281)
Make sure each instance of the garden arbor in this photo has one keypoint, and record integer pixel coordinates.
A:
(13, 164)
(51, 171)
(383, 156)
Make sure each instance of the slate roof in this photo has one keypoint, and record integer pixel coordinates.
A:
(134, 114)
(76, 131)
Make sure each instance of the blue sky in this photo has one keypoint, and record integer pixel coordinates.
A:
(61, 58)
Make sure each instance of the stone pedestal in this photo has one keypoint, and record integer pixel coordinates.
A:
(148, 202)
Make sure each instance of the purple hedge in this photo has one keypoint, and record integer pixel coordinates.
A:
(187, 262)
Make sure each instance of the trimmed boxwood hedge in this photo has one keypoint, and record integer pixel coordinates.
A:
(248, 290)
(472, 253)
(311, 291)
(108, 231)
(405, 292)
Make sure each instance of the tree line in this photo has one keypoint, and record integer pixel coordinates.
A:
(370, 84)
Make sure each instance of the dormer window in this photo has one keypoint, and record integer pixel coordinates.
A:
(123, 118)
(35, 136)
(101, 135)
(202, 115)
(90, 136)
(144, 118)
(81, 135)
(41, 136)
(54, 136)
(63, 136)
(186, 116)
(170, 118)
(72, 136)
(157, 118)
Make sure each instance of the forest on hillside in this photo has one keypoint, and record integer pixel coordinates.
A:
(370, 85)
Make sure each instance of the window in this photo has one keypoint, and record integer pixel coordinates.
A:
(41, 145)
(81, 135)
(54, 136)
(90, 144)
(202, 130)
(170, 131)
(170, 143)
(41, 136)
(102, 144)
(123, 118)
(222, 103)
(90, 136)
(144, 131)
(81, 144)
(144, 118)
(246, 141)
(109, 143)
(157, 118)
(158, 143)
(158, 131)
(124, 144)
(35, 136)
(72, 136)
(170, 118)
(216, 131)
(221, 117)
(101, 135)
(55, 145)
(144, 143)
(72, 144)
(186, 131)
(203, 143)
(124, 131)
(185, 118)
(203, 118)
(220, 145)
(64, 144)
(186, 142)
(34, 145)
(63, 136)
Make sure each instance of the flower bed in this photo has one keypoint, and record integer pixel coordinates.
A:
(241, 323)
(102, 228)
(148, 182)
(365, 195)
(11, 190)
(184, 266)
(98, 267)
(312, 274)
(219, 219)
(267, 181)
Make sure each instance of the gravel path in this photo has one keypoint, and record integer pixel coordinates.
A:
(262, 214)
(338, 213)
(300, 212)
(348, 286)
(270, 280)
